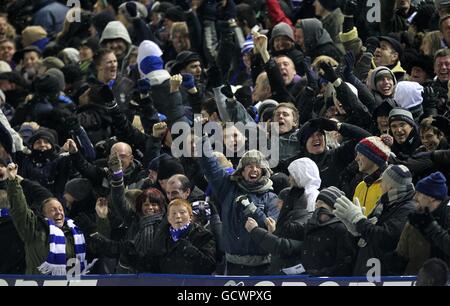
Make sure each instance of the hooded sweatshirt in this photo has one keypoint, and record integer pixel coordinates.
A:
(306, 174)
(408, 95)
(314, 34)
(116, 30)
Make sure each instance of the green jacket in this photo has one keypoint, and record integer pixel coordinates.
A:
(33, 230)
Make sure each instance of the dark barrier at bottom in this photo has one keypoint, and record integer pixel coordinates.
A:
(192, 280)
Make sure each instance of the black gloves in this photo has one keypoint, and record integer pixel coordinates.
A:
(324, 124)
(311, 76)
(349, 61)
(372, 43)
(106, 95)
(421, 220)
(72, 123)
(328, 72)
(85, 224)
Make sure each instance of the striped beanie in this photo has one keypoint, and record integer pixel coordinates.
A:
(329, 195)
(374, 149)
(396, 176)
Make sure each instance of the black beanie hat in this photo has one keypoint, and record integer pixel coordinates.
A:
(78, 188)
(169, 167)
(46, 85)
(305, 132)
(280, 181)
(43, 133)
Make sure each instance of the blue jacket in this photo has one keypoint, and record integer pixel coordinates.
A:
(236, 239)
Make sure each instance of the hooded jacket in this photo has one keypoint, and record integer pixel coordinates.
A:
(408, 95)
(317, 41)
(116, 30)
(379, 98)
(306, 174)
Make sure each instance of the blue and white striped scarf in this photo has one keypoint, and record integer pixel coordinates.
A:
(176, 233)
(56, 260)
(4, 213)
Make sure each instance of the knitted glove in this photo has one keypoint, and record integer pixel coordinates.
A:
(188, 81)
(328, 72)
(115, 166)
(421, 220)
(324, 124)
(249, 207)
(346, 210)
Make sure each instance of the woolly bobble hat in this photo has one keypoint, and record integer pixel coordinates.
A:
(434, 185)
(149, 57)
(397, 176)
(374, 149)
(329, 195)
(32, 34)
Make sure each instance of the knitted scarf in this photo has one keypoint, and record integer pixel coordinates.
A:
(56, 259)
(176, 233)
(4, 213)
(393, 196)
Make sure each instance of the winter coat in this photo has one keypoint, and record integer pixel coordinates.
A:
(236, 239)
(12, 253)
(383, 236)
(140, 229)
(51, 170)
(50, 15)
(416, 247)
(284, 244)
(369, 191)
(328, 248)
(193, 253)
(33, 230)
(95, 120)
